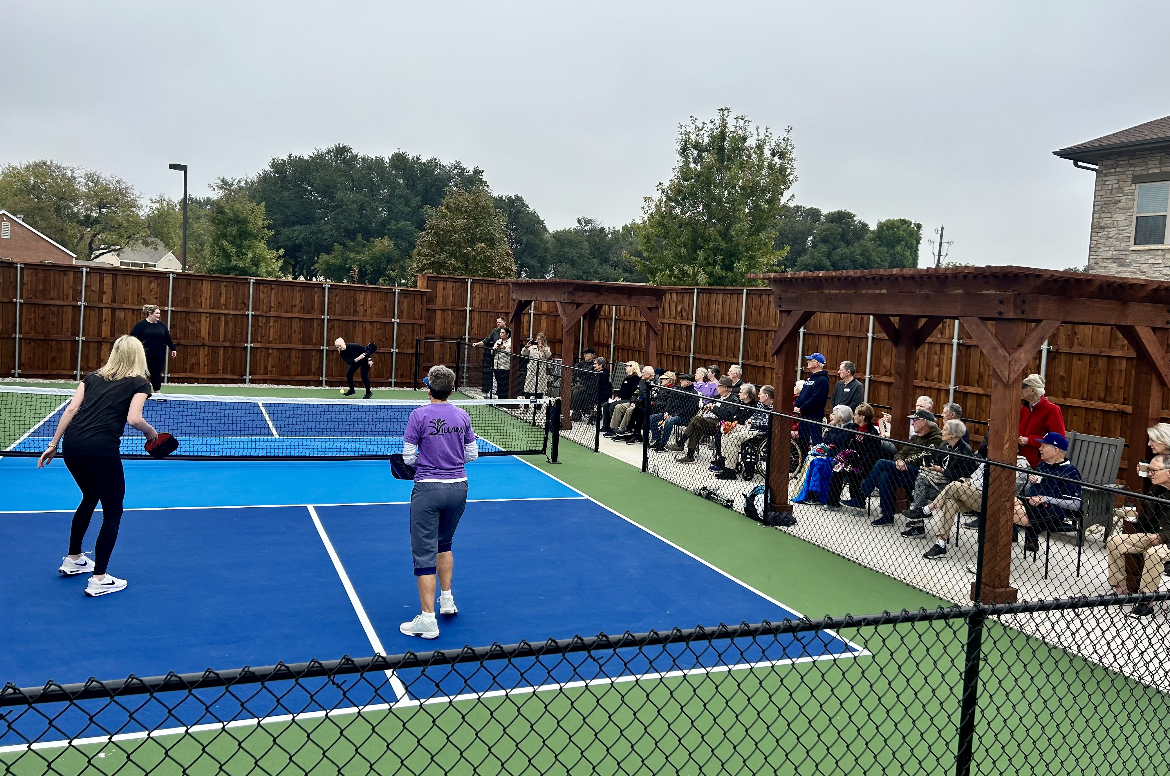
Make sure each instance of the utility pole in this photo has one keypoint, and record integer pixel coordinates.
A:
(937, 250)
(937, 258)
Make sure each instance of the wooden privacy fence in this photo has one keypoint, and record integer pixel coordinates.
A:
(60, 321)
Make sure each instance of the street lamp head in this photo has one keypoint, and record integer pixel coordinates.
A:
(182, 167)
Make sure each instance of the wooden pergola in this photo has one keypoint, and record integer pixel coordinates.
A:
(578, 304)
(1009, 312)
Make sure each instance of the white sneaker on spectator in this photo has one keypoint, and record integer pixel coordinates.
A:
(421, 625)
(447, 604)
(70, 567)
(108, 584)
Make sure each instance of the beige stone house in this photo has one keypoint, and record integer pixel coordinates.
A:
(1131, 200)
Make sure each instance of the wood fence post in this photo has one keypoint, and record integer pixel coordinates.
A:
(19, 300)
(170, 303)
(694, 321)
(325, 336)
(394, 345)
(868, 357)
(248, 346)
(742, 325)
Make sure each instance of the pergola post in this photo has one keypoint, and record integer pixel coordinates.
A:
(1151, 377)
(785, 350)
(568, 354)
(590, 327)
(902, 397)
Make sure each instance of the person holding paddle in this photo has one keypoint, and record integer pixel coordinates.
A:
(438, 442)
(357, 357)
(92, 425)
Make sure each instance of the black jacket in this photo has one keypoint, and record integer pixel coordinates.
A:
(867, 444)
(1155, 518)
(955, 467)
(680, 402)
(849, 395)
(629, 387)
(604, 387)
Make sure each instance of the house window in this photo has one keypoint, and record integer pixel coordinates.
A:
(1153, 204)
(5, 230)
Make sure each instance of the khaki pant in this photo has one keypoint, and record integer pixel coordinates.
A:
(622, 415)
(1120, 545)
(733, 441)
(957, 497)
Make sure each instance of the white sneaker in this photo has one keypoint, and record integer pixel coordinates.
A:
(420, 626)
(447, 604)
(71, 568)
(110, 584)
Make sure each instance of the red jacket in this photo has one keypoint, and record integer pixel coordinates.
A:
(1037, 421)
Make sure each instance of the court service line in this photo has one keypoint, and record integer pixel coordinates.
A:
(44, 420)
(860, 650)
(264, 412)
(284, 506)
(375, 642)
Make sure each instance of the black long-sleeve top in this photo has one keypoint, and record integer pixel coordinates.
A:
(351, 352)
(628, 387)
(155, 338)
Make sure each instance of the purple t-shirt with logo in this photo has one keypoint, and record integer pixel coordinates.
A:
(440, 432)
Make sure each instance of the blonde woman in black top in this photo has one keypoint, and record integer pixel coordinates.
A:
(92, 424)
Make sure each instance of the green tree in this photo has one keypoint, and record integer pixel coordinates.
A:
(164, 222)
(896, 242)
(336, 195)
(89, 213)
(528, 237)
(714, 221)
(839, 240)
(591, 251)
(465, 235)
(372, 262)
(238, 236)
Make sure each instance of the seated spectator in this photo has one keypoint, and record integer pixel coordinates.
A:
(705, 384)
(889, 449)
(952, 460)
(963, 495)
(1048, 504)
(1038, 417)
(818, 476)
(849, 390)
(736, 374)
(579, 399)
(1153, 545)
(707, 421)
(625, 394)
(677, 406)
(754, 429)
(954, 411)
(604, 387)
(886, 476)
(859, 456)
(625, 412)
(810, 404)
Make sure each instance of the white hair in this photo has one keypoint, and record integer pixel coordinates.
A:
(955, 428)
(843, 413)
(926, 401)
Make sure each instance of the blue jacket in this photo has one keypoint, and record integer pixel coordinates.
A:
(813, 396)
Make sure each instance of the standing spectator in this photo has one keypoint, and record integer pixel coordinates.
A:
(1038, 417)
(536, 375)
(848, 390)
(861, 453)
(810, 404)
(502, 363)
(901, 472)
(488, 344)
(1153, 544)
(1048, 503)
(156, 340)
(625, 393)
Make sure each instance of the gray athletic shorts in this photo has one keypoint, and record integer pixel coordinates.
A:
(435, 509)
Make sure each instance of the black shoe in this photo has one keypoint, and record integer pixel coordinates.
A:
(725, 474)
(688, 458)
(1031, 544)
(915, 528)
(749, 472)
(935, 552)
(658, 448)
(349, 393)
(1166, 570)
(972, 525)
(913, 515)
(717, 464)
(632, 439)
(883, 520)
(1141, 610)
(854, 502)
(369, 394)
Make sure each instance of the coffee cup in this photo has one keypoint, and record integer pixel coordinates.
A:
(1143, 468)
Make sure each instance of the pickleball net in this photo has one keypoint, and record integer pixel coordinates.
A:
(278, 428)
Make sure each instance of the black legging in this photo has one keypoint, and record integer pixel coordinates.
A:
(157, 367)
(363, 365)
(100, 479)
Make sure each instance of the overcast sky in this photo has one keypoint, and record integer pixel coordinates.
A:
(941, 113)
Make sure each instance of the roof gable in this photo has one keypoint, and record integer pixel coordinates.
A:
(1152, 134)
(21, 222)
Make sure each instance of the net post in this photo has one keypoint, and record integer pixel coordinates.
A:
(417, 361)
(553, 425)
(968, 699)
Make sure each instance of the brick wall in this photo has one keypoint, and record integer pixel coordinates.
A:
(1111, 249)
(26, 246)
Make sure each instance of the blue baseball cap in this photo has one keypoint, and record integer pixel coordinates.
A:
(816, 357)
(1055, 439)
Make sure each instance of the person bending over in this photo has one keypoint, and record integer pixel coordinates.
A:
(92, 425)
(357, 358)
(438, 442)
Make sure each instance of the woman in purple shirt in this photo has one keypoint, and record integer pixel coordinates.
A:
(438, 442)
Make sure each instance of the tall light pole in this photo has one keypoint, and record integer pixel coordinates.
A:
(183, 167)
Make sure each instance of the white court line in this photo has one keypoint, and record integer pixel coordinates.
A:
(860, 650)
(44, 420)
(363, 618)
(267, 419)
(281, 506)
(373, 707)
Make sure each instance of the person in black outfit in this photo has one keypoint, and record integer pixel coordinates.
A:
(92, 424)
(625, 393)
(861, 452)
(156, 340)
(357, 358)
(488, 344)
